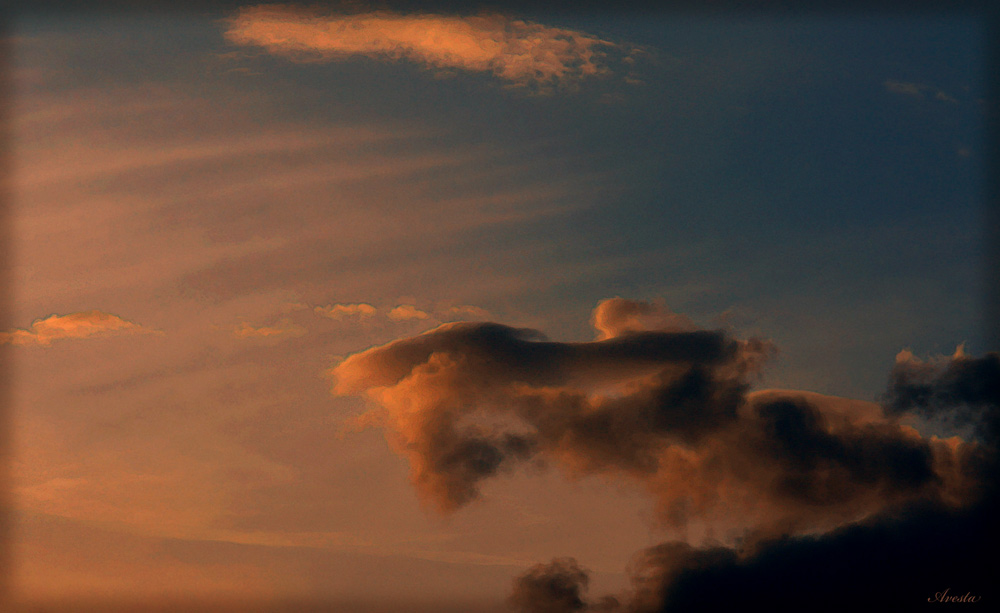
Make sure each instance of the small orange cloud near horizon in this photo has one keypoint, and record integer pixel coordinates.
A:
(84, 324)
(283, 328)
(339, 311)
(406, 312)
(518, 51)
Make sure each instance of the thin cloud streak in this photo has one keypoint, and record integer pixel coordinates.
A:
(520, 52)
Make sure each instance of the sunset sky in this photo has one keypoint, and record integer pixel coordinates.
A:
(236, 234)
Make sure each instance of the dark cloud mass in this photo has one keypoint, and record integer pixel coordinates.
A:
(820, 503)
(962, 388)
(924, 553)
(606, 405)
(551, 588)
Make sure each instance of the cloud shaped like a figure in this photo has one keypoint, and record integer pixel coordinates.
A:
(517, 51)
(666, 407)
(85, 324)
(805, 481)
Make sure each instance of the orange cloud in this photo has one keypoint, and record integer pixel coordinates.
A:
(657, 402)
(518, 51)
(339, 311)
(75, 325)
(406, 312)
(284, 328)
(616, 316)
(467, 311)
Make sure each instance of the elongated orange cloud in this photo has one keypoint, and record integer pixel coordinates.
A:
(75, 325)
(518, 51)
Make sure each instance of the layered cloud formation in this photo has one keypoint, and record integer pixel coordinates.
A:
(519, 52)
(781, 477)
(85, 324)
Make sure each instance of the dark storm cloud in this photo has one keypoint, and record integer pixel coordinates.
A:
(924, 552)
(963, 388)
(897, 562)
(556, 587)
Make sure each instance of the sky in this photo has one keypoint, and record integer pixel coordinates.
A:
(379, 307)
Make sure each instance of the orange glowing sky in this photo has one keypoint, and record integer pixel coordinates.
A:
(211, 213)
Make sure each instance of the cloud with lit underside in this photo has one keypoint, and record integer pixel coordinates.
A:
(85, 324)
(788, 481)
(519, 52)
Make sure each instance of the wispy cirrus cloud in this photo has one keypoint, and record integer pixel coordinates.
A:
(517, 51)
(74, 325)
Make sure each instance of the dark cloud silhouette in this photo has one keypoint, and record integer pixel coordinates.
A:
(816, 497)
(962, 388)
(922, 553)
(556, 587)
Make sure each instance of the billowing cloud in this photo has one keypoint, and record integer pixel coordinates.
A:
(85, 324)
(517, 51)
(783, 479)
(656, 400)
(593, 406)
(924, 551)
(960, 389)
(283, 328)
(669, 409)
(550, 588)
(406, 312)
(617, 316)
(341, 311)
